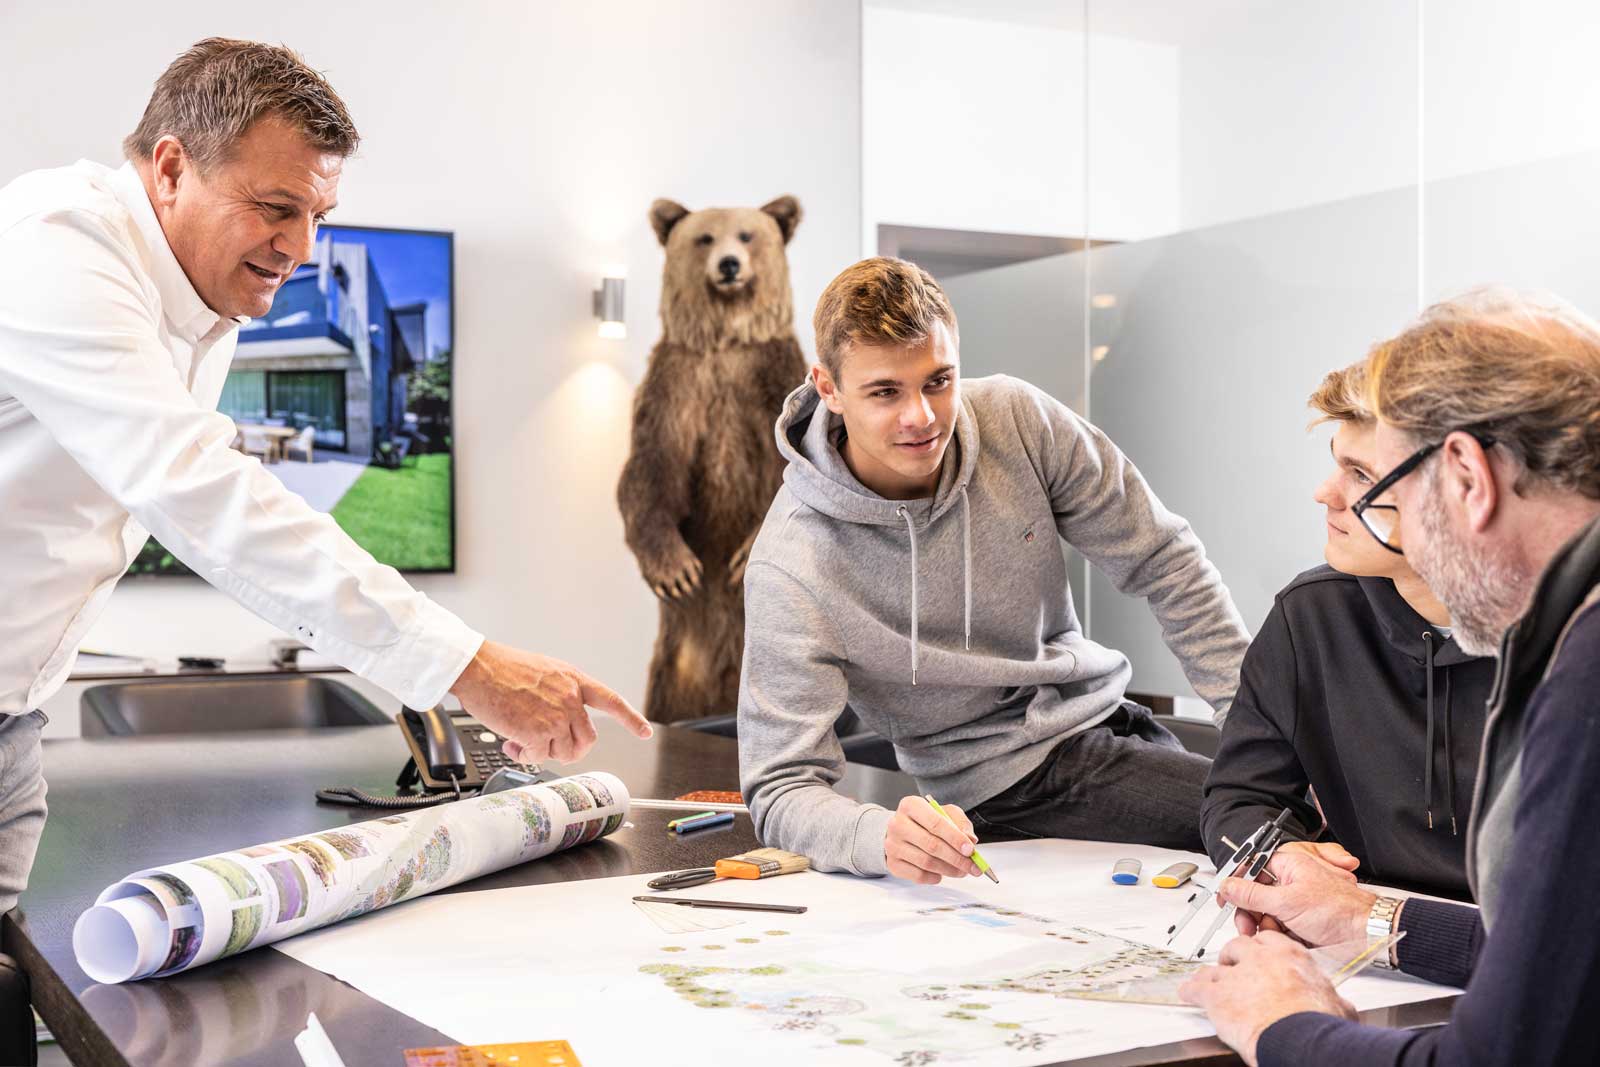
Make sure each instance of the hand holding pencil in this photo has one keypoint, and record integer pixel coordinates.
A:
(927, 842)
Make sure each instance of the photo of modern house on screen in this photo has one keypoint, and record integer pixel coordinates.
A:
(343, 391)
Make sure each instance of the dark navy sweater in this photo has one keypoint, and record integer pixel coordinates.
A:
(1533, 985)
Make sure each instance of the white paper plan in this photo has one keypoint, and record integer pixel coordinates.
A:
(877, 972)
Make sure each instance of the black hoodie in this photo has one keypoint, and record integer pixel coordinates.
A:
(1349, 691)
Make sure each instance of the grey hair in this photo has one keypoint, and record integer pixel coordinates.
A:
(1522, 366)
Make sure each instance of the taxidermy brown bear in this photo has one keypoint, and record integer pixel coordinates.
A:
(704, 465)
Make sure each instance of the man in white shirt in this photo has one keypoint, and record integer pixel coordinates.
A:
(121, 297)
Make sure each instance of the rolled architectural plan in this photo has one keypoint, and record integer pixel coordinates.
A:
(181, 915)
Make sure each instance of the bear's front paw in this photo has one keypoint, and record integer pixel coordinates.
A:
(675, 574)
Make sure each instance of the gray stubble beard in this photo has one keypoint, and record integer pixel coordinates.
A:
(1484, 591)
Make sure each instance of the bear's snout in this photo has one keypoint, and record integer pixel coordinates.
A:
(729, 268)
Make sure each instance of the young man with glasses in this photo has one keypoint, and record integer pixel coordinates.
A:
(1489, 426)
(1354, 689)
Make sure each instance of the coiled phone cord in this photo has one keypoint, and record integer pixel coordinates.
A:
(352, 797)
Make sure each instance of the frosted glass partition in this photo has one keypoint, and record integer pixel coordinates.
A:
(1026, 320)
(1214, 342)
(1532, 226)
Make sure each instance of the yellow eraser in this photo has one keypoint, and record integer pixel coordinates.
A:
(1174, 876)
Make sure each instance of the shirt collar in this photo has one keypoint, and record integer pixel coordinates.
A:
(181, 304)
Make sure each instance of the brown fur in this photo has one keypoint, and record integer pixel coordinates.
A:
(704, 467)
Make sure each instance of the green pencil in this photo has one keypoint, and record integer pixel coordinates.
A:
(983, 864)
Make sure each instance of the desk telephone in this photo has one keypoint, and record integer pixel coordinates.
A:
(452, 755)
(451, 744)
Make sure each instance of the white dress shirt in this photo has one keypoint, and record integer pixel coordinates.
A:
(110, 370)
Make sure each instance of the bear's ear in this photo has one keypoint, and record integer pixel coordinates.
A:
(664, 215)
(786, 211)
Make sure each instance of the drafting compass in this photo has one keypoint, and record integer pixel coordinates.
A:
(1249, 860)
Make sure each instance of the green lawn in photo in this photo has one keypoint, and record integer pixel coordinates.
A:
(402, 516)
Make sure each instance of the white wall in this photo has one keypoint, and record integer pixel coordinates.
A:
(539, 133)
(975, 124)
(1286, 105)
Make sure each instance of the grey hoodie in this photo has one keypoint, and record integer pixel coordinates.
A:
(947, 623)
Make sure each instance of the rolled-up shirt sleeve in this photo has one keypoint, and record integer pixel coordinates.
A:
(84, 356)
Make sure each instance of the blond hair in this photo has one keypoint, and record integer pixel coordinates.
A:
(1523, 367)
(213, 93)
(1342, 396)
(878, 301)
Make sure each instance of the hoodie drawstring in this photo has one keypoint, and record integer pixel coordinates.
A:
(966, 578)
(1449, 748)
(1427, 774)
(1449, 758)
(911, 528)
(966, 562)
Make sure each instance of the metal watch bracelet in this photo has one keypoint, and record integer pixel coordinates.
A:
(1380, 924)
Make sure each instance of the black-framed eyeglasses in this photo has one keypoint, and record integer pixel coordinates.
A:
(1383, 520)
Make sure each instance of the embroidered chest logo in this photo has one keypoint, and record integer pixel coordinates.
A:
(1027, 535)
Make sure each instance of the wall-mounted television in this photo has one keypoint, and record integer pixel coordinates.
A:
(343, 390)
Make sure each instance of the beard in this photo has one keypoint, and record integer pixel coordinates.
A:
(1483, 591)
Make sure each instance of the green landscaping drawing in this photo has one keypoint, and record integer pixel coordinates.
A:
(240, 883)
(913, 1024)
(577, 798)
(346, 843)
(317, 855)
(534, 815)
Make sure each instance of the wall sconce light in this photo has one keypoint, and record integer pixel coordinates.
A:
(1100, 352)
(608, 308)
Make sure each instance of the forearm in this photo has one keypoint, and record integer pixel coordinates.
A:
(835, 832)
(1442, 940)
(1106, 510)
(1235, 814)
(792, 689)
(1199, 621)
(1312, 1039)
(1257, 772)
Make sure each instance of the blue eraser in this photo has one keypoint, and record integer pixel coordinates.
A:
(1125, 872)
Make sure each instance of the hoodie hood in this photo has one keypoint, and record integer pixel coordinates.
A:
(1403, 628)
(816, 473)
(818, 476)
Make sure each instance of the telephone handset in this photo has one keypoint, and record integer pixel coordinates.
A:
(451, 751)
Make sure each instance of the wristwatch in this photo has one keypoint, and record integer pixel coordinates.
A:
(1380, 924)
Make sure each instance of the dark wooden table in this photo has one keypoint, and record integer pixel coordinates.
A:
(121, 804)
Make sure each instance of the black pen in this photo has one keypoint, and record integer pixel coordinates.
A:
(736, 905)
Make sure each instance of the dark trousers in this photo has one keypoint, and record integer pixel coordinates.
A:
(1127, 779)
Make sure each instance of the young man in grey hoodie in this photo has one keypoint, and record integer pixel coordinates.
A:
(909, 568)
